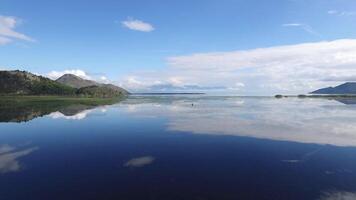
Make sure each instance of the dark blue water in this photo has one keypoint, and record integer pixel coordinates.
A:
(183, 147)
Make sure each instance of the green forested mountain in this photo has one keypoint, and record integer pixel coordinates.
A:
(99, 91)
(25, 83)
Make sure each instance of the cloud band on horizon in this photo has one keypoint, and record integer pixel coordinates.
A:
(296, 68)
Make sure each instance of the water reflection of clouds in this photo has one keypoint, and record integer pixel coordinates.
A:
(9, 158)
(139, 162)
(78, 116)
(305, 157)
(338, 195)
(318, 121)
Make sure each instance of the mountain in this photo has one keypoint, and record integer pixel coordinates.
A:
(86, 86)
(25, 83)
(116, 88)
(99, 91)
(346, 88)
(75, 81)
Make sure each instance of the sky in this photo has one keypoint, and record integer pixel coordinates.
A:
(237, 47)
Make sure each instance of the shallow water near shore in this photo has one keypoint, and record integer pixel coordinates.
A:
(181, 147)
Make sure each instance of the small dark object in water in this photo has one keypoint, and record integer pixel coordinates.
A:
(278, 96)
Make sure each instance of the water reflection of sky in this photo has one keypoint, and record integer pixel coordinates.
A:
(318, 121)
(183, 147)
(9, 157)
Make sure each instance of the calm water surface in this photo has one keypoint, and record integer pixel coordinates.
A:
(181, 147)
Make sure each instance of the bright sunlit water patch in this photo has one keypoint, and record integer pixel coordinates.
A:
(181, 147)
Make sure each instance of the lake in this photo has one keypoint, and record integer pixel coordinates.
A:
(180, 147)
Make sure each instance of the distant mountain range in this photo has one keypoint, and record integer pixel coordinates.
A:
(25, 83)
(346, 88)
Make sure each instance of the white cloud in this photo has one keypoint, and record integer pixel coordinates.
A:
(332, 12)
(137, 25)
(98, 77)
(292, 68)
(103, 78)
(341, 13)
(133, 83)
(4, 40)
(77, 72)
(7, 32)
(237, 86)
(305, 27)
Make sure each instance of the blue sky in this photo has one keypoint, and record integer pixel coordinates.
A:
(168, 41)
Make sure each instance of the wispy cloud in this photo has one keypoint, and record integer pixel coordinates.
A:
(137, 25)
(342, 13)
(305, 27)
(7, 30)
(4, 40)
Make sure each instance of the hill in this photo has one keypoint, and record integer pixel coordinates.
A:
(25, 83)
(346, 88)
(77, 82)
(102, 91)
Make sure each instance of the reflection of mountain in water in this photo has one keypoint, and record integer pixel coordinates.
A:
(23, 111)
(347, 101)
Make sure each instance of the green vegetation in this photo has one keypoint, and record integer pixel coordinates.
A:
(91, 88)
(98, 91)
(25, 83)
(50, 88)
